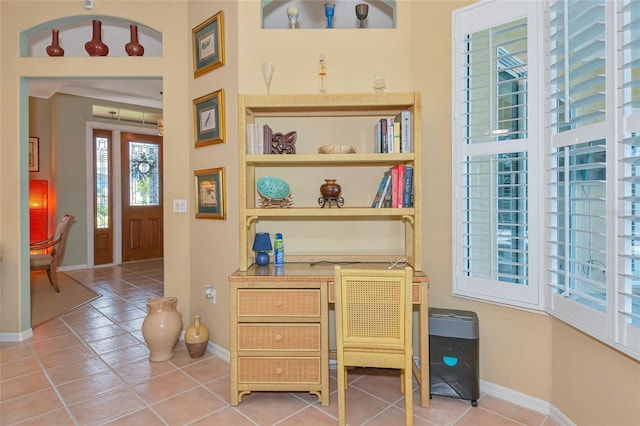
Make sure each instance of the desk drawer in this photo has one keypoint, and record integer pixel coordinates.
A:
(293, 337)
(278, 370)
(278, 303)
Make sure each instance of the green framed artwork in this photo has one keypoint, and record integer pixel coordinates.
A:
(208, 45)
(210, 193)
(208, 119)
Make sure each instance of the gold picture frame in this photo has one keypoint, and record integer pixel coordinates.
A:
(208, 45)
(210, 194)
(208, 119)
(34, 154)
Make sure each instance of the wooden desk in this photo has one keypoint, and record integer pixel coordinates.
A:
(280, 329)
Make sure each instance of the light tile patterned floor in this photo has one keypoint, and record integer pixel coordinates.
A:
(90, 367)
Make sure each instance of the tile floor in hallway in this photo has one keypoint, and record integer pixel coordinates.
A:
(90, 367)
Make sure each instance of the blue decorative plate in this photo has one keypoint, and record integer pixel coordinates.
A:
(273, 187)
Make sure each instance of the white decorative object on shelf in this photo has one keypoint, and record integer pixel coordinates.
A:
(292, 14)
(267, 74)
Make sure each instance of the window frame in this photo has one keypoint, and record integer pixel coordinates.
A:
(612, 327)
(474, 18)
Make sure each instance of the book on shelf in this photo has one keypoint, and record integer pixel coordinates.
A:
(258, 139)
(405, 118)
(267, 134)
(395, 185)
(399, 196)
(250, 139)
(378, 199)
(397, 147)
(408, 187)
(377, 141)
(388, 194)
(391, 148)
(384, 147)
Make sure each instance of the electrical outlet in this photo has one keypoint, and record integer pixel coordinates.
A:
(210, 294)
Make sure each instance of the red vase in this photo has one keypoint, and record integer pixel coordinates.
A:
(133, 48)
(54, 49)
(95, 47)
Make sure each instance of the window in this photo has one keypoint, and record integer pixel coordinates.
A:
(588, 246)
(494, 144)
(628, 291)
(102, 153)
(144, 180)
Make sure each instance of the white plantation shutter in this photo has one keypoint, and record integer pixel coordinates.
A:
(589, 52)
(493, 140)
(629, 148)
(577, 169)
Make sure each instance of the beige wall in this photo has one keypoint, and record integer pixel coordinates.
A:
(526, 352)
(15, 17)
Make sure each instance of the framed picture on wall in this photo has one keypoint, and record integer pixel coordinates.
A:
(208, 45)
(210, 193)
(34, 154)
(208, 119)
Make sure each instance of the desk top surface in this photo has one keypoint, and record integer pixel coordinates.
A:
(308, 271)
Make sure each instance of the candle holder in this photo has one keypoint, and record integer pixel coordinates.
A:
(379, 82)
(267, 73)
(362, 10)
(293, 13)
(329, 10)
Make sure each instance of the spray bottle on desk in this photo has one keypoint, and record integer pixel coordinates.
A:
(278, 249)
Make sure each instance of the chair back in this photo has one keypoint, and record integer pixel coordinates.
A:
(374, 310)
(60, 235)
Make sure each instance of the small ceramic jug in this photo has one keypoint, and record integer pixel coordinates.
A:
(196, 338)
(161, 327)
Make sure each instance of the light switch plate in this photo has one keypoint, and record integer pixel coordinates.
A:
(179, 206)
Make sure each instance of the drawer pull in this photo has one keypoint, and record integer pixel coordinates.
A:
(279, 371)
(278, 303)
(278, 337)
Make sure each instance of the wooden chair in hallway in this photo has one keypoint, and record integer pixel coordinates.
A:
(53, 248)
(373, 311)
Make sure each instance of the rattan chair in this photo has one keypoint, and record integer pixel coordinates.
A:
(373, 327)
(53, 248)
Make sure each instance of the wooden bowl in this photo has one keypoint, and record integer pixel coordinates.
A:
(337, 149)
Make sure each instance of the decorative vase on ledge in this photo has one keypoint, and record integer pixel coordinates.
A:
(330, 191)
(95, 46)
(133, 48)
(54, 49)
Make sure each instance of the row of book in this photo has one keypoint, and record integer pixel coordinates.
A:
(259, 139)
(394, 135)
(396, 188)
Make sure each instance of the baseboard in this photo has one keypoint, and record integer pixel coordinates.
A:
(526, 401)
(218, 351)
(516, 397)
(560, 418)
(16, 337)
(72, 267)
